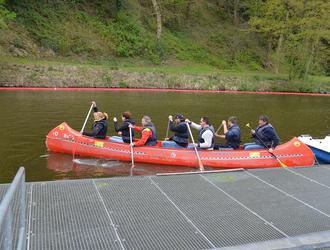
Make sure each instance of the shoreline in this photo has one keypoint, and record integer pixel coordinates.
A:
(159, 90)
(37, 75)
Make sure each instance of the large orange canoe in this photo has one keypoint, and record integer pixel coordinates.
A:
(64, 139)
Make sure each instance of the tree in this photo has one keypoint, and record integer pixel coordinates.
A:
(271, 21)
(159, 27)
(5, 15)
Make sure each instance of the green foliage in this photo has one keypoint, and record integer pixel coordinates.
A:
(226, 34)
(5, 15)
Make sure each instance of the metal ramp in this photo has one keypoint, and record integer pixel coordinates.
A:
(255, 209)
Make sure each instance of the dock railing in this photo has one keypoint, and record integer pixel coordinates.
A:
(7, 214)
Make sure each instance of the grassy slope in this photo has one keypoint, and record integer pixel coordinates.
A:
(81, 35)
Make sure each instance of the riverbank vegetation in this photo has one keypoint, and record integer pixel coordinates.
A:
(272, 45)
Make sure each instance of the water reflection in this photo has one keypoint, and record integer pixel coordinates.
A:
(65, 167)
(28, 116)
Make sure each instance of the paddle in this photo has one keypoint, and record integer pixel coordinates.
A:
(201, 167)
(279, 161)
(219, 128)
(83, 127)
(131, 142)
(168, 127)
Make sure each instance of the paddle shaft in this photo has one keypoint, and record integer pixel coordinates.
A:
(281, 163)
(168, 127)
(201, 167)
(83, 127)
(131, 140)
(219, 128)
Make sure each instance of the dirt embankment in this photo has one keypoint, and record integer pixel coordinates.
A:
(34, 75)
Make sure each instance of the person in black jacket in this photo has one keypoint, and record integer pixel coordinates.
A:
(181, 133)
(264, 135)
(123, 130)
(100, 125)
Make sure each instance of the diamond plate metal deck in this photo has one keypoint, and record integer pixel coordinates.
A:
(261, 209)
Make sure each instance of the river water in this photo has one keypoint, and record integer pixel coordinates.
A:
(27, 117)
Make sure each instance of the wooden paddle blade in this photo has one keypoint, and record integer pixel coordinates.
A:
(281, 163)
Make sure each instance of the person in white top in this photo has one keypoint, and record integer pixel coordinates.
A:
(205, 135)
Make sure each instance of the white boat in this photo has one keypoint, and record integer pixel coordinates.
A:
(320, 147)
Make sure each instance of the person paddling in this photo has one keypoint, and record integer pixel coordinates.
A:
(206, 134)
(231, 133)
(264, 135)
(180, 138)
(149, 133)
(123, 130)
(100, 125)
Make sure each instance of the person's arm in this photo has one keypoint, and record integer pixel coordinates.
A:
(195, 125)
(115, 123)
(146, 134)
(137, 129)
(95, 109)
(124, 126)
(181, 128)
(96, 130)
(225, 128)
(207, 136)
(274, 138)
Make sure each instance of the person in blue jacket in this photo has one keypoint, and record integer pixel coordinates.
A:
(231, 133)
(264, 135)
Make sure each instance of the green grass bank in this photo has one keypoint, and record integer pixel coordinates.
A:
(204, 44)
(25, 72)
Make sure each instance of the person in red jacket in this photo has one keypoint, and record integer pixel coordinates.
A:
(148, 131)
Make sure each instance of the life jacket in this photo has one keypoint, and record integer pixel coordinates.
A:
(181, 138)
(201, 132)
(125, 133)
(234, 139)
(102, 127)
(262, 137)
(152, 141)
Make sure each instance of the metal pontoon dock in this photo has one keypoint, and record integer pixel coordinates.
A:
(255, 209)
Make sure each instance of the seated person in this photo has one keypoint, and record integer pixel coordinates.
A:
(180, 138)
(231, 134)
(123, 130)
(100, 125)
(149, 134)
(264, 135)
(205, 134)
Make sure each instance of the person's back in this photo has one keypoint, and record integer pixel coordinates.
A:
(123, 130)
(149, 133)
(264, 135)
(152, 140)
(205, 135)
(100, 125)
(180, 139)
(267, 135)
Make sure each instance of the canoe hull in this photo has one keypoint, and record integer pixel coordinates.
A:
(320, 147)
(64, 139)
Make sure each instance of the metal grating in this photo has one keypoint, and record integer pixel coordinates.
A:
(69, 215)
(259, 207)
(145, 218)
(306, 191)
(288, 215)
(15, 205)
(219, 217)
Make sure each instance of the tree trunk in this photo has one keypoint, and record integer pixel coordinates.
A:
(310, 59)
(267, 62)
(159, 29)
(236, 14)
(189, 8)
(280, 41)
